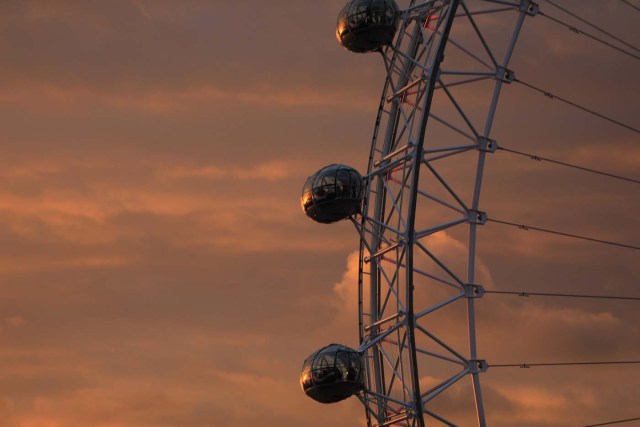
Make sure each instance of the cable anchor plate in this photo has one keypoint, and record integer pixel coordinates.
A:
(477, 366)
(476, 217)
(529, 7)
(487, 144)
(506, 75)
(473, 291)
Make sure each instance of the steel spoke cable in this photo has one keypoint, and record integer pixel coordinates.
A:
(628, 3)
(535, 365)
(560, 233)
(628, 420)
(591, 36)
(560, 295)
(484, 12)
(603, 31)
(573, 104)
(558, 162)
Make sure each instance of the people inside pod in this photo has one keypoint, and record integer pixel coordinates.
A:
(332, 194)
(367, 25)
(332, 374)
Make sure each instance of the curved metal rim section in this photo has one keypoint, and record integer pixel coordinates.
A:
(420, 45)
(414, 411)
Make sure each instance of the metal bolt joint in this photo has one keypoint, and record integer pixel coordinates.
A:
(473, 291)
(476, 217)
(487, 144)
(505, 74)
(529, 7)
(478, 366)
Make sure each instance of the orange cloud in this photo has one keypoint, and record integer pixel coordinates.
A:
(270, 171)
(177, 101)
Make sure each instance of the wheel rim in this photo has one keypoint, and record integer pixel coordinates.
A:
(397, 263)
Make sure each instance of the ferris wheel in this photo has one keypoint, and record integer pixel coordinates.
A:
(445, 69)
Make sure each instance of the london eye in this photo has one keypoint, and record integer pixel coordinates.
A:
(446, 64)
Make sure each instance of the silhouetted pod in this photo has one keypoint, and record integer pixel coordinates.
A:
(367, 25)
(332, 374)
(332, 194)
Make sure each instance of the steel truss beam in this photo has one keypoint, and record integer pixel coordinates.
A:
(409, 203)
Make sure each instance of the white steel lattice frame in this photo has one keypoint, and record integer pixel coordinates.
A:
(402, 180)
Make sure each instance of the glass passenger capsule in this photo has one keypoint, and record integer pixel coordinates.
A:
(332, 374)
(332, 194)
(367, 25)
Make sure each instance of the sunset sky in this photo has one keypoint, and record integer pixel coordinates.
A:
(157, 269)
